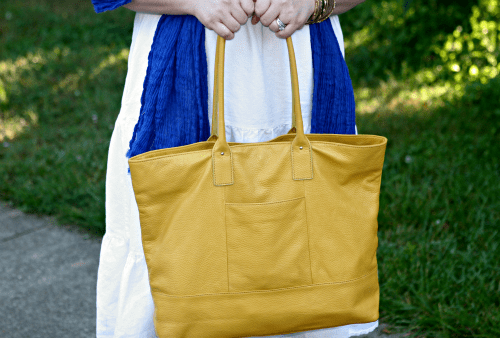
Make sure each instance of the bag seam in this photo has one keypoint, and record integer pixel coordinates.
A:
(255, 145)
(266, 291)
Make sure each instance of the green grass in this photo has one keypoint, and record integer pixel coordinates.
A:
(62, 71)
(439, 217)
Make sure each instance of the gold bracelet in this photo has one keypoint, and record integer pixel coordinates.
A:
(324, 3)
(323, 9)
(329, 12)
(314, 14)
(333, 8)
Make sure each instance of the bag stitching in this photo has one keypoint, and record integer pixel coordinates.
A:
(308, 237)
(266, 291)
(256, 145)
(213, 168)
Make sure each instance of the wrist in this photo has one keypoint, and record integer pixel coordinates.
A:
(314, 15)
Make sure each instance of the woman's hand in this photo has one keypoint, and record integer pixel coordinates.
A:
(225, 17)
(293, 13)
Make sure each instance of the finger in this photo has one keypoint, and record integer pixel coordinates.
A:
(274, 24)
(223, 31)
(231, 23)
(261, 7)
(248, 7)
(287, 32)
(270, 15)
(240, 16)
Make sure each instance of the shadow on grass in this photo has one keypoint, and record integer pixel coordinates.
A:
(440, 214)
(60, 67)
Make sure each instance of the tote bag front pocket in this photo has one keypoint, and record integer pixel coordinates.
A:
(267, 245)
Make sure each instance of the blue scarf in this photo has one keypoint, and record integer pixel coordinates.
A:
(174, 102)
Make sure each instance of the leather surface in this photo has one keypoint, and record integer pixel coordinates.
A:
(266, 238)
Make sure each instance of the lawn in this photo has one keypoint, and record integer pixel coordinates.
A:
(62, 71)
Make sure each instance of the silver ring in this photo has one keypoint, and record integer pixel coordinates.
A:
(281, 25)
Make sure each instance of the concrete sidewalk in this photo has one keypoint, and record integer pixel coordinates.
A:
(48, 277)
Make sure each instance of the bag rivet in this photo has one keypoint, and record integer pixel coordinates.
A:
(300, 147)
(222, 153)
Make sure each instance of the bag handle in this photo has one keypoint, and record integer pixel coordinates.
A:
(215, 101)
(301, 151)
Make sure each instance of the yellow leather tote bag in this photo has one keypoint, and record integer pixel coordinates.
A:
(259, 239)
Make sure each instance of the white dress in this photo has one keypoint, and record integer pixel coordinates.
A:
(256, 66)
